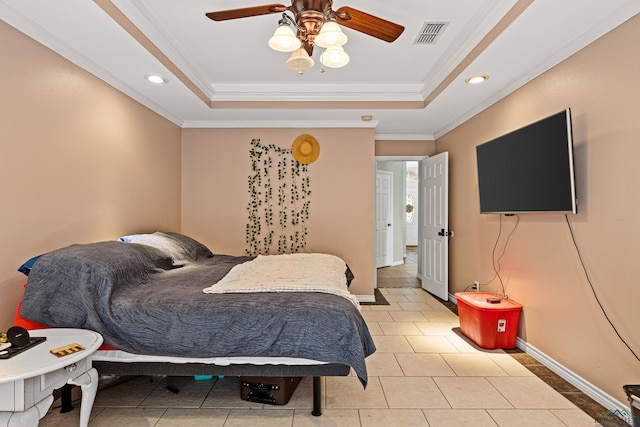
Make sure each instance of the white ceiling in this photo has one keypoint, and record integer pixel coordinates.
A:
(214, 81)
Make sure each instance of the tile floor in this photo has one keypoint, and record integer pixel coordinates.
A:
(424, 373)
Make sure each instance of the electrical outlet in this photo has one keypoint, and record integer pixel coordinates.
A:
(476, 285)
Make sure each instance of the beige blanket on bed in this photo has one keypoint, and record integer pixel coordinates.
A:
(287, 273)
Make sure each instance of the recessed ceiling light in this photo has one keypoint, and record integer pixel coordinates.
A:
(479, 78)
(367, 118)
(154, 78)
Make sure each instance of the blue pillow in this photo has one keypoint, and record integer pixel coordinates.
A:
(27, 266)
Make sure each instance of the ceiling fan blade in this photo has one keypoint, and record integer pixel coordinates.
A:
(246, 12)
(368, 24)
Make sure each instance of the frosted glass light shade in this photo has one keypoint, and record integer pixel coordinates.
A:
(284, 40)
(299, 61)
(334, 57)
(330, 35)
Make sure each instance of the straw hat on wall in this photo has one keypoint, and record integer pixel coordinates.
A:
(305, 149)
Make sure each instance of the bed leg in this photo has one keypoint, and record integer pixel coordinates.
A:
(317, 397)
(65, 398)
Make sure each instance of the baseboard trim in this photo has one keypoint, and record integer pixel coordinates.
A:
(615, 406)
(366, 298)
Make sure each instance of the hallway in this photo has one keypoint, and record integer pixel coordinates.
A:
(403, 275)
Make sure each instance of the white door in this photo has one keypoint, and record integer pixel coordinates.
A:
(384, 180)
(412, 199)
(433, 213)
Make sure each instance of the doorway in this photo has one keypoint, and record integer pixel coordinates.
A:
(431, 201)
(402, 270)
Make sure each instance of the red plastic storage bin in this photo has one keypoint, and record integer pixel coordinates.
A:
(490, 325)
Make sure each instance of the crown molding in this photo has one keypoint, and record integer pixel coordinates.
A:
(239, 124)
(403, 137)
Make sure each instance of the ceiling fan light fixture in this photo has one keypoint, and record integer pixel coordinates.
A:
(330, 35)
(334, 57)
(284, 40)
(299, 61)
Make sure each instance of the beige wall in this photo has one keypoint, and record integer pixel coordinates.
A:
(405, 148)
(79, 162)
(216, 166)
(541, 268)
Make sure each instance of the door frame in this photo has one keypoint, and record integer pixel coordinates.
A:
(389, 159)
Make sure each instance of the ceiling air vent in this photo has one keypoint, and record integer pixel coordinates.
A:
(430, 33)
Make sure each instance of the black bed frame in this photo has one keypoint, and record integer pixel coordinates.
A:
(193, 369)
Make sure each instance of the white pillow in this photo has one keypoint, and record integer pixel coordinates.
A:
(162, 243)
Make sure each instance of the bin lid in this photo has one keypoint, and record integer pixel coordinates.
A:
(479, 300)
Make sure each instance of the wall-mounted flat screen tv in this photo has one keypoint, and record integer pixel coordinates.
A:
(529, 169)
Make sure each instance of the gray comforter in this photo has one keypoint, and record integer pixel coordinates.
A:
(142, 302)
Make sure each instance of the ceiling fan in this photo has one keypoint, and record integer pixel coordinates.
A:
(309, 18)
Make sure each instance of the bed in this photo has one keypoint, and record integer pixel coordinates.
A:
(172, 307)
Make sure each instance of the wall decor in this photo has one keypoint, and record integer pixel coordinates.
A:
(279, 200)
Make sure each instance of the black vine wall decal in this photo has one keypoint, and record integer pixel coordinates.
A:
(279, 199)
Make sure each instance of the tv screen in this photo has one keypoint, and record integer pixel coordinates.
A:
(529, 169)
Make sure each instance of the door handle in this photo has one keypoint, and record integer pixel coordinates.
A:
(388, 225)
(443, 233)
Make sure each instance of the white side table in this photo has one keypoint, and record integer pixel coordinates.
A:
(28, 379)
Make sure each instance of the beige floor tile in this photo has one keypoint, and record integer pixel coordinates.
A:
(423, 365)
(392, 344)
(525, 418)
(462, 343)
(180, 417)
(466, 341)
(422, 296)
(473, 365)
(329, 418)
(139, 417)
(431, 344)
(413, 392)
(376, 316)
(392, 417)
(436, 328)
(347, 392)
(374, 328)
(393, 306)
(459, 418)
(383, 365)
(530, 392)
(127, 391)
(471, 393)
(574, 417)
(408, 316)
(259, 417)
(55, 418)
(399, 298)
(399, 328)
(397, 291)
(190, 393)
(510, 365)
(225, 393)
(442, 316)
(416, 306)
